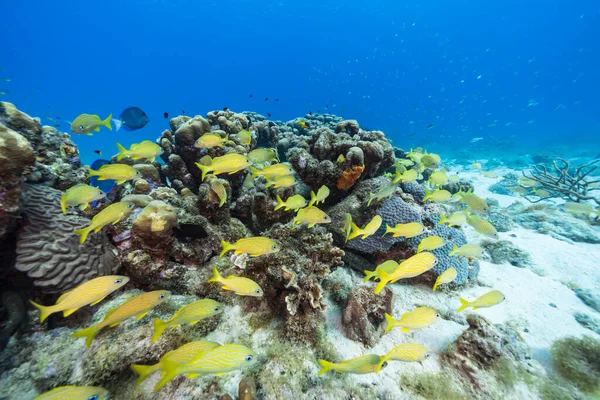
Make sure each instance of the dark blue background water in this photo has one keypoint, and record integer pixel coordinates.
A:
(523, 72)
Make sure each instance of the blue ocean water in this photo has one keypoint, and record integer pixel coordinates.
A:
(437, 73)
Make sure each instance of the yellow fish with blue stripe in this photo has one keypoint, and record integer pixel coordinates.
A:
(319, 197)
(367, 231)
(405, 352)
(447, 276)
(253, 246)
(456, 219)
(88, 293)
(482, 226)
(419, 318)
(229, 163)
(413, 266)
(179, 356)
(189, 314)
(383, 193)
(311, 215)
(210, 140)
(75, 393)
(238, 284)
(489, 299)
(407, 230)
(437, 196)
(219, 360)
(272, 171)
(116, 172)
(469, 250)
(430, 243)
(438, 178)
(261, 156)
(80, 195)
(291, 203)
(137, 306)
(365, 364)
(388, 267)
(146, 149)
(110, 215)
(475, 202)
(283, 181)
(408, 176)
(84, 124)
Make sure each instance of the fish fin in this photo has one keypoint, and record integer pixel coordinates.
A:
(45, 311)
(63, 296)
(387, 230)
(82, 207)
(96, 129)
(435, 285)
(170, 372)
(97, 301)
(405, 329)
(325, 366)
(63, 203)
(118, 182)
(390, 322)
(83, 234)
(443, 219)
(311, 225)
(192, 376)
(159, 327)
(380, 285)
(226, 247)
(118, 124)
(140, 316)
(151, 159)
(116, 221)
(216, 276)
(368, 275)
(382, 360)
(255, 172)
(143, 371)
(454, 250)
(106, 123)
(313, 197)
(474, 308)
(203, 168)
(87, 333)
(91, 172)
(122, 150)
(115, 324)
(98, 229)
(371, 197)
(89, 133)
(70, 311)
(280, 203)
(463, 304)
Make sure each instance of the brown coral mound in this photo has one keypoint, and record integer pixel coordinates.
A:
(349, 177)
(364, 314)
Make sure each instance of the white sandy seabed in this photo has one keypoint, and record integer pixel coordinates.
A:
(528, 300)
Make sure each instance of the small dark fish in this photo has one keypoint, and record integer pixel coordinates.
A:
(56, 125)
(249, 120)
(225, 108)
(326, 107)
(166, 115)
(182, 112)
(269, 114)
(266, 99)
(132, 119)
(57, 117)
(430, 126)
(191, 231)
(310, 113)
(251, 96)
(98, 152)
(276, 99)
(411, 135)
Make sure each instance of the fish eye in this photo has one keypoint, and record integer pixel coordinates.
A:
(257, 291)
(503, 297)
(217, 308)
(118, 281)
(93, 397)
(249, 358)
(130, 205)
(81, 127)
(435, 261)
(426, 355)
(101, 193)
(161, 297)
(384, 364)
(138, 173)
(274, 247)
(437, 315)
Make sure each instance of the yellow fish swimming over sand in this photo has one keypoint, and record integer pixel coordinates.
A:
(210, 140)
(110, 215)
(405, 352)
(238, 284)
(75, 393)
(482, 226)
(408, 230)
(419, 318)
(367, 231)
(388, 267)
(253, 246)
(84, 124)
(578, 208)
(430, 243)
(311, 215)
(116, 172)
(320, 196)
(88, 293)
(291, 203)
(447, 276)
(80, 195)
(189, 314)
(137, 306)
(475, 202)
(489, 299)
(219, 360)
(365, 364)
(229, 163)
(145, 150)
(179, 356)
(469, 250)
(437, 196)
(272, 171)
(413, 266)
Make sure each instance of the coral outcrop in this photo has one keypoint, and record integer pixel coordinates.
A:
(364, 314)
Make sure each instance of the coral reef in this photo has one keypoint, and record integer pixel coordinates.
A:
(590, 298)
(154, 226)
(586, 320)
(364, 314)
(502, 251)
(13, 308)
(578, 361)
(504, 186)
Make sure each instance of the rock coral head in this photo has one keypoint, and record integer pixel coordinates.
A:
(154, 225)
(349, 177)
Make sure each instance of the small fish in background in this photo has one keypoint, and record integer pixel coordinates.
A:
(482, 226)
(238, 284)
(347, 225)
(490, 174)
(281, 181)
(543, 193)
(409, 268)
(276, 99)
(447, 276)
(408, 176)
(261, 155)
(437, 196)
(469, 250)
(430, 243)
(80, 195)
(453, 178)
(248, 183)
(210, 140)
(528, 182)
(166, 115)
(6, 79)
(294, 202)
(341, 159)
(476, 165)
(430, 126)
(145, 150)
(490, 299)
(244, 137)
(388, 267)
(456, 219)
(229, 163)
(419, 318)
(438, 178)
(219, 191)
(250, 96)
(88, 293)
(110, 215)
(116, 172)
(474, 202)
(75, 392)
(272, 171)
(476, 139)
(84, 124)
(3, 91)
(578, 208)
(131, 119)
(98, 152)
(367, 231)
(431, 160)
(182, 112)
(266, 99)
(408, 230)
(365, 364)
(137, 306)
(320, 196)
(518, 189)
(253, 246)
(383, 193)
(304, 124)
(405, 352)
(225, 109)
(269, 115)
(312, 216)
(191, 313)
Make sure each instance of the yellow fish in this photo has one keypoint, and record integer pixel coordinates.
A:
(408, 176)
(476, 165)
(253, 246)
(189, 314)
(272, 171)
(415, 155)
(578, 208)
(419, 318)
(219, 190)
(248, 183)
(75, 393)
(405, 352)
(447, 276)
(413, 266)
(456, 219)
(84, 124)
(367, 231)
(281, 181)
(291, 203)
(404, 162)
(303, 124)
(475, 202)
(244, 137)
(341, 159)
(179, 356)
(482, 226)
(219, 360)
(489, 299)
(238, 284)
(319, 197)
(437, 196)
(438, 178)
(543, 193)
(469, 250)
(110, 215)
(80, 195)
(408, 230)
(347, 225)
(260, 156)
(454, 178)
(210, 140)
(116, 172)
(431, 160)
(146, 149)
(365, 364)
(88, 293)
(138, 306)
(385, 192)
(490, 174)
(528, 182)
(229, 163)
(388, 267)
(430, 243)
(518, 189)
(311, 215)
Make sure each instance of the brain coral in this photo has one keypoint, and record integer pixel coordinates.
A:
(49, 252)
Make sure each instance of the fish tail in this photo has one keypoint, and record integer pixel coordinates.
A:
(118, 124)
(369, 275)
(325, 366)
(44, 310)
(313, 198)
(204, 170)
(83, 234)
(143, 371)
(122, 152)
(159, 327)
(279, 203)
(371, 197)
(382, 360)
(387, 229)
(443, 219)
(436, 284)
(255, 172)
(454, 250)
(226, 247)
(463, 304)
(106, 122)
(390, 322)
(427, 195)
(381, 284)
(91, 172)
(87, 333)
(216, 276)
(63, 203)
(170, 372)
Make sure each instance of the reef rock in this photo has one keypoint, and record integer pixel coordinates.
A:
(502, 251)
(364, 314)
(154, 225)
